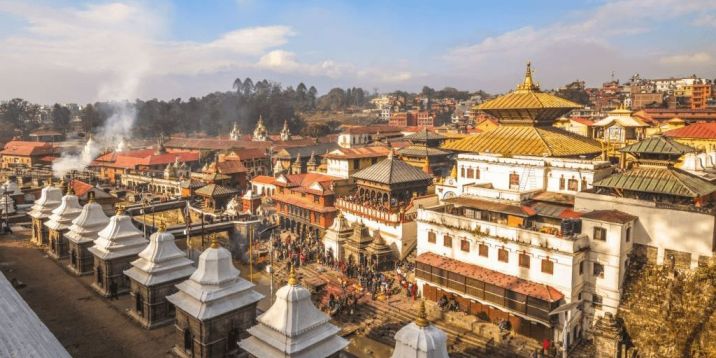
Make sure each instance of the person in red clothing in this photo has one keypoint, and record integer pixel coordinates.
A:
(545, 346)
(413, 291)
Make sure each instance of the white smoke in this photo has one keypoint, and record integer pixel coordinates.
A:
(124, 49)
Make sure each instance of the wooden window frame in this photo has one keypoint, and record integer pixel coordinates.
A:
(523, 260)
(486, 249)
(432, 237)
(547, 266)
(602, 233)
(464, 245)
(503, 255)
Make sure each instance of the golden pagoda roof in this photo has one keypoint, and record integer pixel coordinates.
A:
(527, 103)
(529, 141)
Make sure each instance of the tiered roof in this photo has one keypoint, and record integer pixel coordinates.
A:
(86, 226)
(420, 339)
(392, 170)
(215, 288)
(658, 145)
(658, 179)
(118, 239)
(293, 327)
(63, 215)
(50, 198)
(161, 261)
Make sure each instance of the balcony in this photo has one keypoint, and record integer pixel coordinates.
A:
(382, 215)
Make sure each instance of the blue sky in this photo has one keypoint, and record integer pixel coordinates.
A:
(72, 51)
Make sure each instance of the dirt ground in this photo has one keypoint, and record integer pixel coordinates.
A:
(86, 324)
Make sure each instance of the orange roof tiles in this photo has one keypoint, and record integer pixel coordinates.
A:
(513, 283)
(132, 159)
(264, 179)
(694, 131)
(24, 148)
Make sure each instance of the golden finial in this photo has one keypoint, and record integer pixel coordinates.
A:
(422, 320)
(453, 173)
(119, 210)
(214, 242)
(70, 190)
(527, 84)
(292, 280)
(90, 196)
(162, 226)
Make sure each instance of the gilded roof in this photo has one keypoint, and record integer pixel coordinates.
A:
(534, 105)
(392, 170)
(424, 135)
(527, 140)
(658, 180)
(658, 145)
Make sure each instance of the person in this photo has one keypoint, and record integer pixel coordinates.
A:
(442, 303)
(453, 305)
(414, 291)
(545, 346)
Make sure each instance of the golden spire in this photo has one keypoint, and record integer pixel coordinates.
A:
(453, 173)
(214, 242)
(162, 226)
(292, 280)
(90, 196)
(527, 84)
(422, 320)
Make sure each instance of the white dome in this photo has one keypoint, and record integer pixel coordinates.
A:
(161, 261)
(85, 227)
(119, 238)
(63, 215)
(50, 198)
(420, 339)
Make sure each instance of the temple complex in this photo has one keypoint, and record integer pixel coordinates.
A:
(115, 247)
(293, 328)
(153, 277)
(81, 236)
(420, 339)
(50, 198)
(424, 153)
(59, 222)
(214, 307)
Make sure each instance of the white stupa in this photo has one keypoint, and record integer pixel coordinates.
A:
(120, 238)
(420, 339)
(50, 199)
(85, 227)
(337, 234)
(7, 191)
(161, 261)
(11, 187)
(215, 288)
(293, 327)
(62, 216)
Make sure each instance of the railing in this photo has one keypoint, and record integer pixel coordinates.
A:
(368, 212)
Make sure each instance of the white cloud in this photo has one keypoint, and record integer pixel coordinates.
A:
(687, 59)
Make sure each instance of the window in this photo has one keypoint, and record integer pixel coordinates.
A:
(600, 233)
(465, 245)
(316, 199)
(524, 260)
(483, 250)
(514, 180)
(581, 267)
(547, 266)
(573, 184)
(502, 255)
(462, 172)
(470, 173)
(356, 163)
(598, 270)
(431, 237)
(561, 182)
(447, 241)
(628, 234)
(477, 173)
(596, 301)
(584, 184)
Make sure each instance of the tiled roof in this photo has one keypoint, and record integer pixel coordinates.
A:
(362, 152)
(694, 131)
(528, 100)
(490, 205)
(231, 167)
(527, 140)
(247, 153)
(424, 135)
(622, 120)
(659, 180)
(305, 151)
(421, 150)
(512, 283)
(581, 120)
(371, 129)
(658, 145)
(264, 179)
(392, 170)
(215, 190)
(204, 143)
(614, 216)
(132, 159)
(23, 148)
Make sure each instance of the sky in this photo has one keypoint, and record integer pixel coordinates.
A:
(85, 51)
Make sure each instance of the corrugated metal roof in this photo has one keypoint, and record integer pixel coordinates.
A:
(215, 190)
(658, 145)
(658, 180)
(527, 140)
(528, 100)
(421, 151)
(392, 171)
(424, 135)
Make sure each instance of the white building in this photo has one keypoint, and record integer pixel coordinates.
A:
(361, 136)
(293, 328)
(420, 339)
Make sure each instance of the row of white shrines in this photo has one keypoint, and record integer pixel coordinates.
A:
(211, 306)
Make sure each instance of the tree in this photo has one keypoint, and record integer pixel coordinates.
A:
(60, 117)
(238, 85)
(19, 113)
(90, 118)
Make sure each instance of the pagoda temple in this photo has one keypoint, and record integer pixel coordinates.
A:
(50, 198)
(424, 153)
(525, 118)
(81, 236)
(59, 222)
(154, 275)
(293, 328)
(116, 246)
(420, 339)
(391, 183)
(214, 307)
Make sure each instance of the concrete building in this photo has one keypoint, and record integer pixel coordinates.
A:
(362, 136)
(293, 328)
(50, 198)
(59, 223)
(153, 277)
(116, 246)
(214, 307)
(344, 162)
(81, 236)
